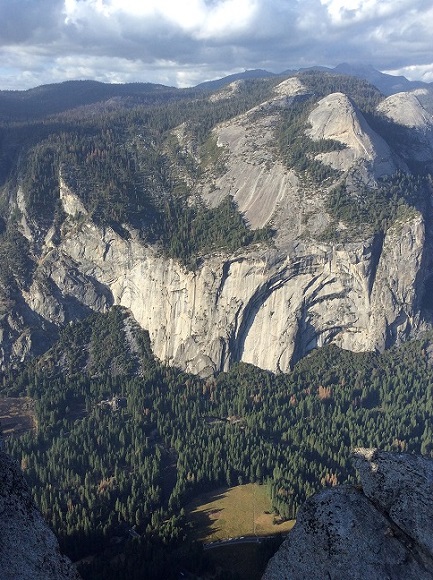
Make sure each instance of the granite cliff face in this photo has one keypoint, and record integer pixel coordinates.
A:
(267, 305)
(381, 530)
(260, 307)
(28, 548)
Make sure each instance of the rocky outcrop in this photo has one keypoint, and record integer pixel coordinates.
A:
(382, 529)
(254, 174)
(28, 548)
(407, 110)
(335, 117)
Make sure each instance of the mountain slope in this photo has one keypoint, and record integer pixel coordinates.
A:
(133, 208)
(387, 84)
(59, 97)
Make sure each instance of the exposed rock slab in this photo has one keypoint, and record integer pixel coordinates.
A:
(402, 486)
(255, 176)
(335, 117)
(262, 307)
(28, 548)
(406, 109)
(383, 530)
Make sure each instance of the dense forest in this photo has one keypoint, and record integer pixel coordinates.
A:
(123, 442)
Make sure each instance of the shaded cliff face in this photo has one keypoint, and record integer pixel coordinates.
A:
(267, 305)
(28, 548)
(382, 530)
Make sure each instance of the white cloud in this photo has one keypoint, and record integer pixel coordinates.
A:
(415, 73)
(356, 11)
(217, 20)
(228, 18)
(186, 41)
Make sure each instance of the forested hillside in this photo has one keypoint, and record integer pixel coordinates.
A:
(121, 157)
(123, 442)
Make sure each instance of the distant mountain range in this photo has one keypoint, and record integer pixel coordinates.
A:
(58, 97)
(387, 84)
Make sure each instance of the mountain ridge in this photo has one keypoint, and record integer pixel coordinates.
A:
(126, 212)
(44, 99)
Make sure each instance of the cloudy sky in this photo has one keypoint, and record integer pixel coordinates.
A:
(184, 42)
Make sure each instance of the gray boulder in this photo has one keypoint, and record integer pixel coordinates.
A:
(380, 530)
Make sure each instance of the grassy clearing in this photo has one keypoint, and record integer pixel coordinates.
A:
(244, 510)
(16, 415)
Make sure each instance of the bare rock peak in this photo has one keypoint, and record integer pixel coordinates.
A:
(291, 87)
(406, 109)
(336, 117)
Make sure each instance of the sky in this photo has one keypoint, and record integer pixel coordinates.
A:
(185, 42)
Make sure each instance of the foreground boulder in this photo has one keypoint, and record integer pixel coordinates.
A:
(383, 529)
(28, 548)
